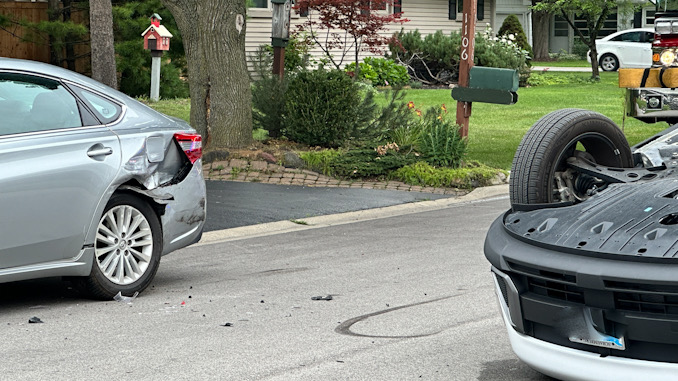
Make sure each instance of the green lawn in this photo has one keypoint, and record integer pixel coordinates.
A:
(496, 130)
(577, 63)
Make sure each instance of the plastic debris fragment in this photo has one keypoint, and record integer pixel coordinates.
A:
(125, 299)
(34, 320)
(328, 297)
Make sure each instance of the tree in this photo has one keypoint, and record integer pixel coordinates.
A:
(512, 26)
(348, 26)
(594, 13)
(213, 32)
(101, 37)
(540, 34)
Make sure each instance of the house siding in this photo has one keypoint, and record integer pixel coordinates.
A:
(425, 15)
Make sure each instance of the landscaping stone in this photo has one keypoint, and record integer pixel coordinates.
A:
(268, 157)
(216, 155)
(292, 160)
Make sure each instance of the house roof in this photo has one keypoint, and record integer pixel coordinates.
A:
(162, 31)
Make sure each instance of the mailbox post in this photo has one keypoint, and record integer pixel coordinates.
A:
(280, 33)
(157, 40)
(468, 35)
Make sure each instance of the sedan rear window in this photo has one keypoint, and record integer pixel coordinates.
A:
(106, 110)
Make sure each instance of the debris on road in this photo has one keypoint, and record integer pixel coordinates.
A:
(227, 325)
(328, 297)
(34, 320)
(125, 299)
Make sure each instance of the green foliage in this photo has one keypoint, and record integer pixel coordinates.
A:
(423, 174)
(260, 134)
(296, 55)
(439, 141)
(391, 116)
(320, 161)
(546, 78)
(381, 72)
(513, 30)
(268, 104)
(580, 49)
(367, 163)
(325, 108)
(435, 58)
(130, 18)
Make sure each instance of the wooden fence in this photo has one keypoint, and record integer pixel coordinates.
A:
(12, 45)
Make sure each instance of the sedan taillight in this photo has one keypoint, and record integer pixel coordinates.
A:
(191, 144)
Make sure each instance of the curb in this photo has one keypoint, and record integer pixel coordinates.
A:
(477, 195)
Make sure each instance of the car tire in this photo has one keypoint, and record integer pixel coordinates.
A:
(609, 62)
(127, 248)
(543, 152)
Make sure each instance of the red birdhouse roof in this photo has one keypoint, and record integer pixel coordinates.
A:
(161, 30)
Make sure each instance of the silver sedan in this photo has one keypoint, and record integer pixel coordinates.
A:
(94, 185)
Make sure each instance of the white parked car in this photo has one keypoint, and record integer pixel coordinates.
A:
(627, 48)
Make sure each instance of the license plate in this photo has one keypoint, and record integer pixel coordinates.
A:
(589, 335)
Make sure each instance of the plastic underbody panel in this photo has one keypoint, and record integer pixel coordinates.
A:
(607, 267)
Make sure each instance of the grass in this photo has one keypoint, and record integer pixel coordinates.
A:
(568, 63)
(496, 130)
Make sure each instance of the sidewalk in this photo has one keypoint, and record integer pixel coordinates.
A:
(263, 172)
(555, 68)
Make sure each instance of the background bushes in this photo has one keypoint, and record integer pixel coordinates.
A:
(434, 59)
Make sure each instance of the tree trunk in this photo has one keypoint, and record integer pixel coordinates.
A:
(540, 35)
(101, 39)
(593, 54)
(213, 32)
(184, 14)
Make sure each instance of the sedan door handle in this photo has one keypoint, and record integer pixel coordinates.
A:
(94, 152)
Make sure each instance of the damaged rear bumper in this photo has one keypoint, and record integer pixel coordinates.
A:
(184, 215)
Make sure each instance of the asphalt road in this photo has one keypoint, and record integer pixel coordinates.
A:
(412, 298)
(232, 204)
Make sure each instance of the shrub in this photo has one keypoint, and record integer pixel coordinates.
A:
(512, 27)
(325, 108)
(423, 174)
(439, 141)
(580, 49)
(367, 163)
(320, 161)
(381, 72)
(268, 104)
(435, 58)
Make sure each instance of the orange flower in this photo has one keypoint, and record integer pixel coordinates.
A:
(440, 117)
(418, 112)
(410, 104)
(443, 107)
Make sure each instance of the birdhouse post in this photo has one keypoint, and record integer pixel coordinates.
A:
(157, 40)
(280, 33)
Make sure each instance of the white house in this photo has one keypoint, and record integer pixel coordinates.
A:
(429, 16)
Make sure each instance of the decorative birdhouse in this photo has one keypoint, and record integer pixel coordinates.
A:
(156, 36)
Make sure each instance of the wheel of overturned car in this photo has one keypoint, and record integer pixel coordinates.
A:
(609, 62)
(127, 249)
(540, 174)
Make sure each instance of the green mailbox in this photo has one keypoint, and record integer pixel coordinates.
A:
(489, 85)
